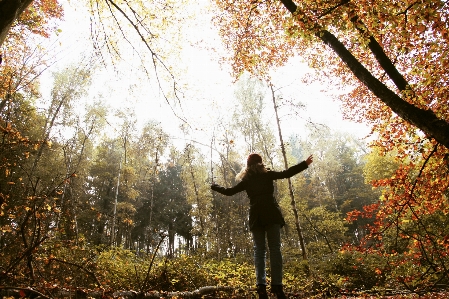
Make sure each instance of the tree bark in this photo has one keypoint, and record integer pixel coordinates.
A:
(424, 119)
(10, 10)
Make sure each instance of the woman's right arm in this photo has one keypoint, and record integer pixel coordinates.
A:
(228, 191)
(293, 169)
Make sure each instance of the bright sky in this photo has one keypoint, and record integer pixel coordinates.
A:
(208, 89)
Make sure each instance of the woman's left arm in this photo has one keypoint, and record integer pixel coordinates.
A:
(293, 170)
(228, 191)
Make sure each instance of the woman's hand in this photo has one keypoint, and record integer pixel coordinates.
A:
(309, 160)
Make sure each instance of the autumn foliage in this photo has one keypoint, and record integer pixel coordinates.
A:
(75, 214)
(23, 58)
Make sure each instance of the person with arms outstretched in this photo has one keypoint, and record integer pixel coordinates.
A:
(265, 217)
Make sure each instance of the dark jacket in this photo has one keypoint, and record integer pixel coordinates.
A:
(264, 209)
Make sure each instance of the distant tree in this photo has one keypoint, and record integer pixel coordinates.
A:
(336, 181)
(69, 85)
(251, 117)
(194, 175)
(95, 218)
(379, 166)
(149, 149)
(77, 150)
(171, 209)
(325, 231)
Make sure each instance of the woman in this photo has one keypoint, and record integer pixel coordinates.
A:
(265, 218)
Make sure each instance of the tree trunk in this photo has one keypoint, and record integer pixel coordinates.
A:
(290, 187)
(10, 10)
(114, 215)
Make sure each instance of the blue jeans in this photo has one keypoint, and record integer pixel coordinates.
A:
(273, 236)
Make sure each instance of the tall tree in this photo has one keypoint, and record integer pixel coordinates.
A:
(148, 153)
(290, 187)
(77, 150)
(38, 171)
(126, 178)
(250, 117)
(229, 233)
(24, 216)
(101, 186)
(194, 175)
(172, 211)
(69, 85)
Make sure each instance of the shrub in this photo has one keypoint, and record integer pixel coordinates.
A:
(352, 270)
(179, 274)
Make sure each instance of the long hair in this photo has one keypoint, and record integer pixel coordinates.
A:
(250, 170)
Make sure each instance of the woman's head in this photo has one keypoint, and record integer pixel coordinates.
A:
(253, 159)
(254, 165)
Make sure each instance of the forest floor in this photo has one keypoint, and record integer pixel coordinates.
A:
(211, 292)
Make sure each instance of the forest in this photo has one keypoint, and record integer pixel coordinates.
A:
(97, 202)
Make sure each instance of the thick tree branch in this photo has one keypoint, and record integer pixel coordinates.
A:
(378, 52)
(426, 120)
(328, 11)
(381, 57)
(10, 10)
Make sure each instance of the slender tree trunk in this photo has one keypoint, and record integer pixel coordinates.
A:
(195, 188)
(153, 180)
(290, 187)
(47, 130)
(114, 216)
(212, 180)
(171, 240)
(5, 101)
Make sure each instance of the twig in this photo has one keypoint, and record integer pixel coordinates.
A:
(79, 267)
(147, 278)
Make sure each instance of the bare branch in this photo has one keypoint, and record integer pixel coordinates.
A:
(155, 58)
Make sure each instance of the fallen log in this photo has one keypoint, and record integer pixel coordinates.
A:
(15, 292)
